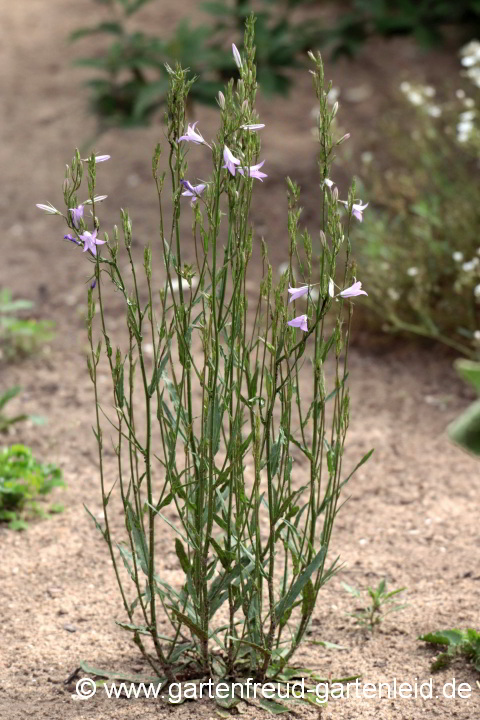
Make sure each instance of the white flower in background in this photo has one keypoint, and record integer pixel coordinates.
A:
(333, 95)
(457, 256)
(470, 265)
(460, 94)
(393, 294)
(465, 127)
(429, 91)
(415, 97)
(412, 271)
(476, 291)
(467, 116)
(469, 102)
(470, 53)
(405, 86)
(367, 157)
(473, 74)
(434, 111)
(476, 335)
(464, 130)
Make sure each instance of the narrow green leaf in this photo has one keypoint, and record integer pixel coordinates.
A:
(196, 630)
(182, 556)
(118, 675)
(465, 430)
(297, 587)
(275, 708)
(139, 539)
(97, 524)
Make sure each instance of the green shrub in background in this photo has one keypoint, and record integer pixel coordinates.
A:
(7, 421)
(425, 20)
(20, 335)
(133, 79)
(133, 68)
(23, 480)
(419, 246)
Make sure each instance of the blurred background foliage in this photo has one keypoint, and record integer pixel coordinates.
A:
(20, 334)
(132, 77)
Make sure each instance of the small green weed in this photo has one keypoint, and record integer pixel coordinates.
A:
(20, 335)
(465, 430)
(457, 642)
(5, 421)
(22, 480)
(381, 605)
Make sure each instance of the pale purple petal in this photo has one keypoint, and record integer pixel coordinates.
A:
(331, 288)
(230, 160)
(254, 171)
(77, 215)
(101, 158)
(296, 293)
(353, 291)
(193, 190)
(192, 135)
(357, 210)
(189, 187)
(299, 322)
(90, 241)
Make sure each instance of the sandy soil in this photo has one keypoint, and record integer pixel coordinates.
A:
(413, 511)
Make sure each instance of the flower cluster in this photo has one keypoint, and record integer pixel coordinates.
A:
(295, 293)
(422, 96)
(470, 55)
(75, 218)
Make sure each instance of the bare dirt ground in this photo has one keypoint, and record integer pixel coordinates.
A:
(413, 510)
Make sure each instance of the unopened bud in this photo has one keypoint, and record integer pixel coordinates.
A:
(323, 239)
(221, 99)
(342, 139)
(335, 109)
(236, 56)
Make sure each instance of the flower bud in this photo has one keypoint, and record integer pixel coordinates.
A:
(342, 139)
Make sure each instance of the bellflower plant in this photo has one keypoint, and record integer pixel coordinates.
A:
(229, 428)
